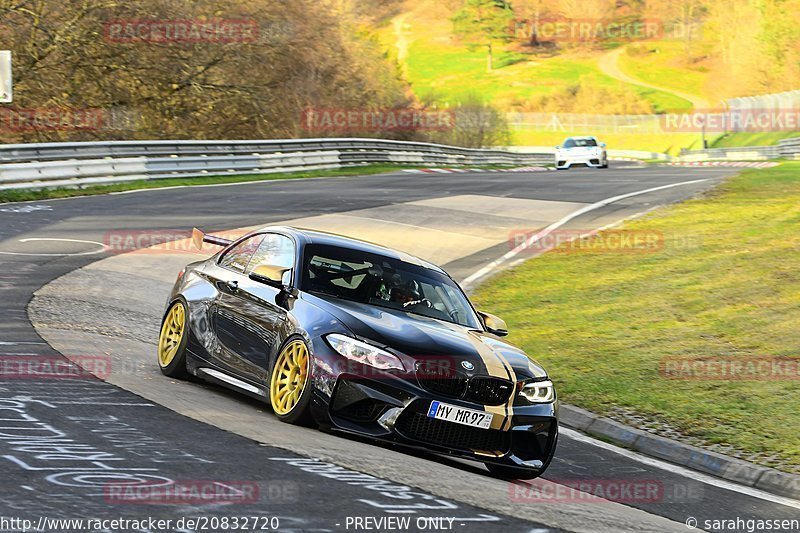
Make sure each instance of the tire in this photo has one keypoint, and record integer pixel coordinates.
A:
(510, 472)
(172, 341)
(290, 388)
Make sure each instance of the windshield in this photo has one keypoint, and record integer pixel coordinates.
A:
(572, 143)
(384, 282)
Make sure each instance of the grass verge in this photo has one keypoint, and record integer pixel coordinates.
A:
(725, 286)
(25, 195)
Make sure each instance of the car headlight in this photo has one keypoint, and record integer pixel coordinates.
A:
(362, 352)
(539, 392)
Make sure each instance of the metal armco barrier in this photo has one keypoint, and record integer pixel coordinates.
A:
(785, 149)
(639, 154)
(49, 165)
(790, 148)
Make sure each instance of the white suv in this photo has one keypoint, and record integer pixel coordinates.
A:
(581, 151)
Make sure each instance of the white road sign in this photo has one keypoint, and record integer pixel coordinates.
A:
(5, 77)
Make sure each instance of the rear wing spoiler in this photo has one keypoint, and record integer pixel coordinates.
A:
(198, 238)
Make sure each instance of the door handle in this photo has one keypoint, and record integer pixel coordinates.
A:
(232, 285)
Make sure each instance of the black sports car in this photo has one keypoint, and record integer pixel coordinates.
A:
(363, 339)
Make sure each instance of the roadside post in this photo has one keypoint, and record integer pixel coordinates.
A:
(6, 88)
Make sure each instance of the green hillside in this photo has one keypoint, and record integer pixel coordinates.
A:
(669, 74)
(440, 66)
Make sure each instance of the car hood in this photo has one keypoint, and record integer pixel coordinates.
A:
(581, 149)
(424, 338)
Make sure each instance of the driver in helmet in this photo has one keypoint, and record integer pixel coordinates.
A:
(405, 293)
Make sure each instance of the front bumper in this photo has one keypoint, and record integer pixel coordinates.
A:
(387, 407)
(564, 160)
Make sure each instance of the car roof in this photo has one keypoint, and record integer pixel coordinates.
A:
(583, 137)
(305, 237)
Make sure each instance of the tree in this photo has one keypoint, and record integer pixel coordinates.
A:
(685, 15)
(484, 22)
(476, 124)
(533, 12)
(304, 54)
(592, 10)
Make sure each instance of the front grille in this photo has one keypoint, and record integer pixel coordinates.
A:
(441, 379)
(489, 391)
(418, 426)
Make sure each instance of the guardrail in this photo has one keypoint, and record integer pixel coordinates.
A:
(749, 153)
(790, 148)
(612, 153)
(785, 149)
(49, 165)
(639, 154)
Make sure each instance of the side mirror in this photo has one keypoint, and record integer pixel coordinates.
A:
(602, 145)
(269, 275)
(558, 147)
(494, 324)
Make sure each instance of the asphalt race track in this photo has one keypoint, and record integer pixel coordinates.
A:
(136, 425)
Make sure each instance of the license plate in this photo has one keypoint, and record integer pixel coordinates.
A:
(460, 415)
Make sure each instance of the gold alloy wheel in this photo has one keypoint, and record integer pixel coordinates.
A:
(171, 334)
(289, 377)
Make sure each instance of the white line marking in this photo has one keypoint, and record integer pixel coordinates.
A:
(232, 489)
(682, 471)
(554, 226)
(107, 403)
(479, 518)
(101, 250)
(26, 209)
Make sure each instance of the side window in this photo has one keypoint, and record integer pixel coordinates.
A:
(275, 250)
(239, 256)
